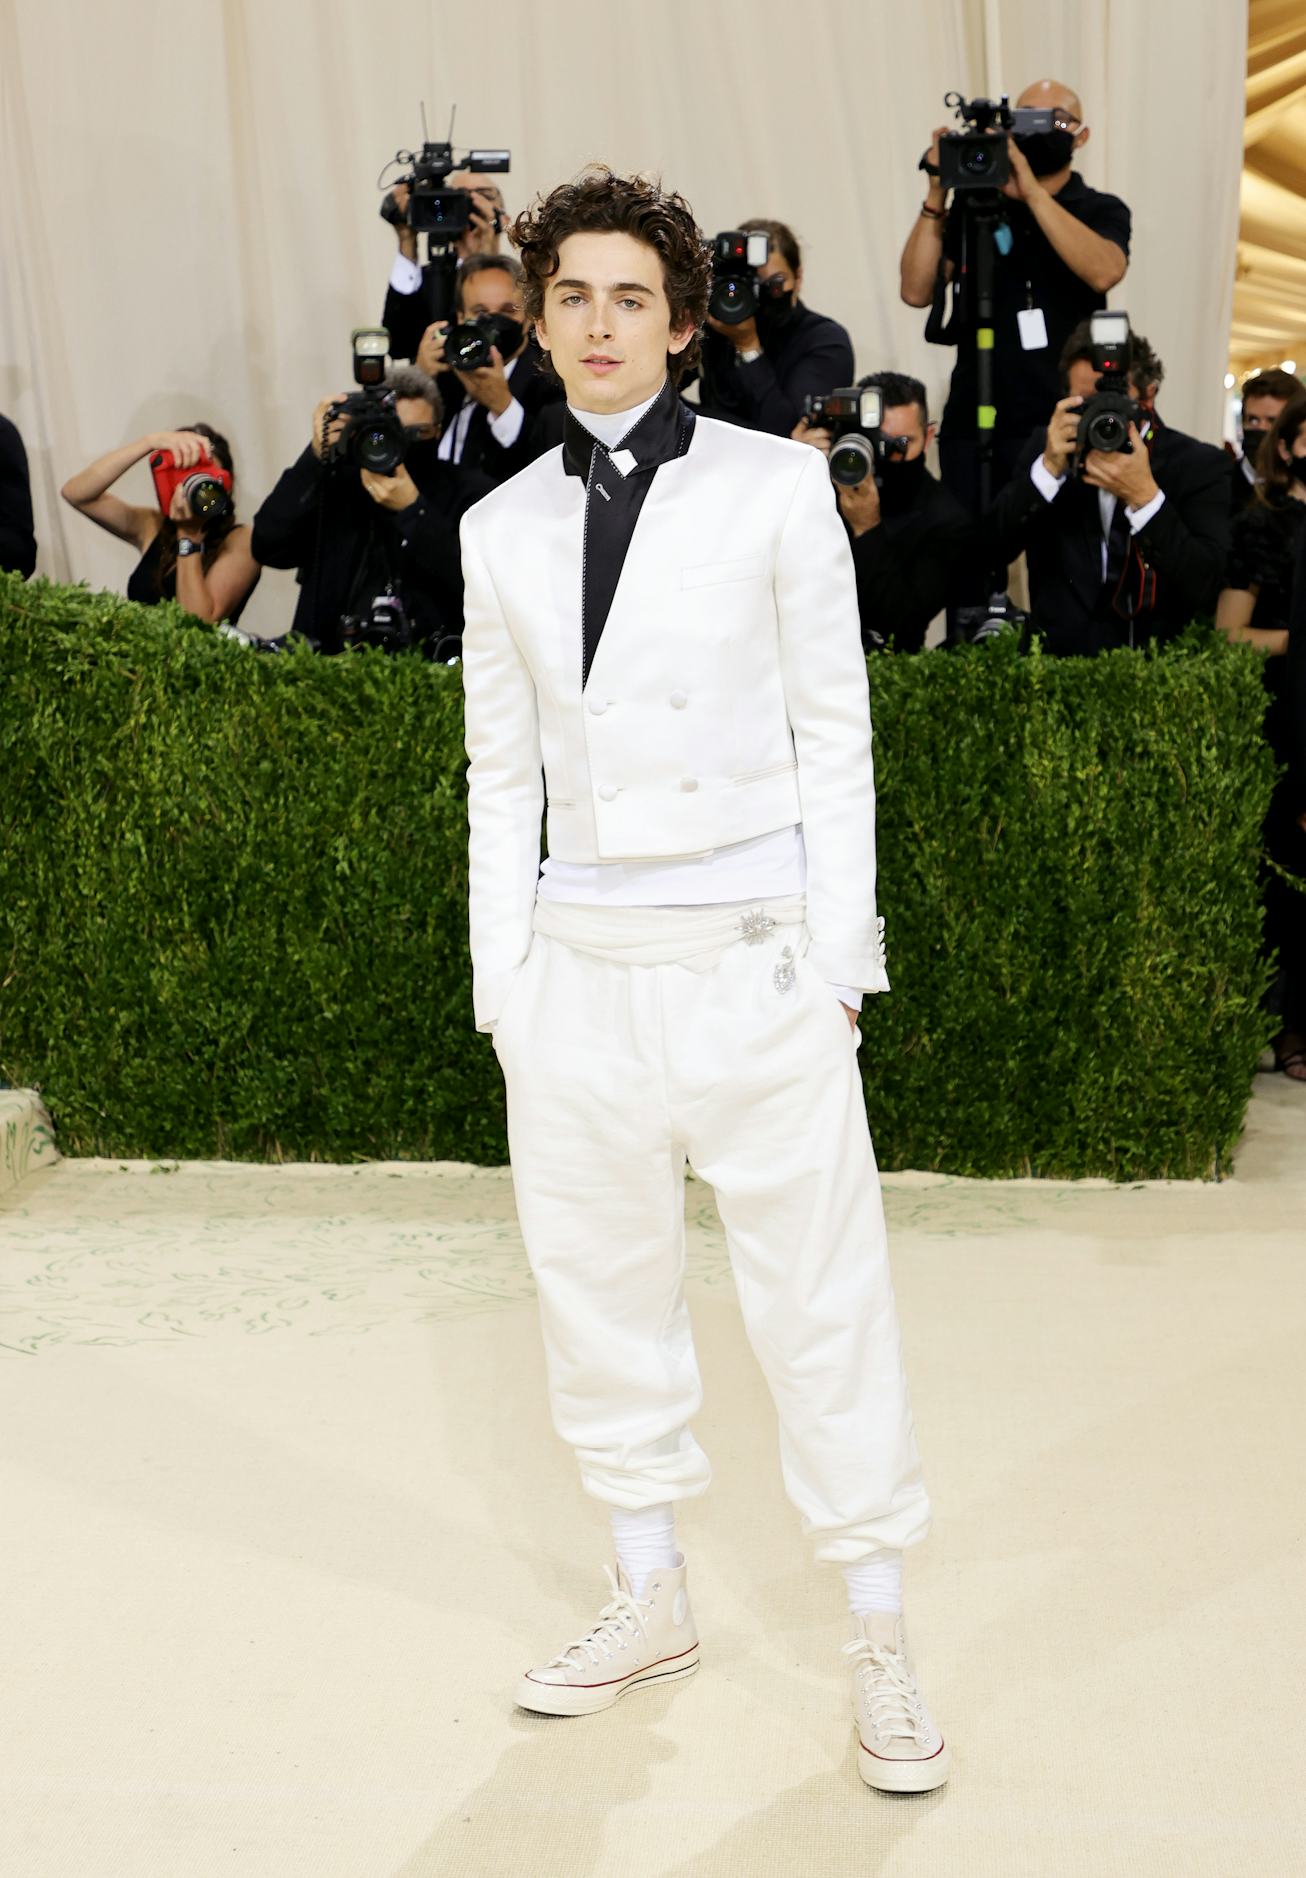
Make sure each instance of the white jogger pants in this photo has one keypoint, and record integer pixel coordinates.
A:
(741, 1061)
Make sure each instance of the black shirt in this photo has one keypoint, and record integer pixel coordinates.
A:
(809, 354)
(17, 540)
(1266, 540)
(913, 565)
(1032, 274)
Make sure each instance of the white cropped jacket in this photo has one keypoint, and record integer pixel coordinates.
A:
(728, 695)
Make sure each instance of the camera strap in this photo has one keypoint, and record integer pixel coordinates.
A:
(1135, 591)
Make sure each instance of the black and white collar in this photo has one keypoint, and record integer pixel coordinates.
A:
(661, 434)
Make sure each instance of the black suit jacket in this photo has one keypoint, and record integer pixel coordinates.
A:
(406, 317)
(322, 522)
(912, 566)
(535, 389)
(1185, 545)
(17, 538)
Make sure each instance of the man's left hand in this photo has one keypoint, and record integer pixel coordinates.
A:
(859, 504)
(488, 384)
(743, 337)
(396, 493)
(852, 1015)
(1126, 473)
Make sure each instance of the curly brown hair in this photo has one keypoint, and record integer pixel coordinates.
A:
(600, 202)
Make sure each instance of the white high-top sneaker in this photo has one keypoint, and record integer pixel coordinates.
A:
(637, 1643)
(899, 1749)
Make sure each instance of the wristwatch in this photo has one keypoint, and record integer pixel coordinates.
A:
(186, 546)
(745, 355)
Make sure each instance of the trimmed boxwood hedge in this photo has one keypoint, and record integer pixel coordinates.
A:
(233, 900)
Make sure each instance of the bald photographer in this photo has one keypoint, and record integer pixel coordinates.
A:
(1002, 194)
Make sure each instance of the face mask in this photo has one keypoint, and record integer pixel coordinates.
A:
(421, 455)
(504, 331)
(776, 311)
(900, 483)
(1047, 151)
(1297, 471)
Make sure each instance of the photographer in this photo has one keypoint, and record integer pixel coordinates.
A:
(1264, 396)
(1059, 246)
(492, 412)
(914, 546)
(406, 316)
(206, 564)
(1264, 604)
(1127, 544)
(377, 555)
(760, 371)
(17, 539)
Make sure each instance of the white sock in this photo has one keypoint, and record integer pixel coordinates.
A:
(645, 1541)
(875, 1583)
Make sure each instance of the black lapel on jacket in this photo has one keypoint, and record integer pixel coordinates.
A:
(613, 499)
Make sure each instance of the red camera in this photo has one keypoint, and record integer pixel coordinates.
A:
(206, 486)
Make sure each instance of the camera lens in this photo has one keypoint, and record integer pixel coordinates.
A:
(466, 348)
(851, 461)
(733, 298)
(977, 160)
(378, 449)
(1106, 431)
(208, 499)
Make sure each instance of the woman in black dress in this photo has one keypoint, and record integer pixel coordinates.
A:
(1264, 604)
(213, 578)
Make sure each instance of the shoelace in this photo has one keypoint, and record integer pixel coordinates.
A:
(895, 1705)
(619, 1620)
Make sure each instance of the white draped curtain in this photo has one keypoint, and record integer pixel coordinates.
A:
(190, 226)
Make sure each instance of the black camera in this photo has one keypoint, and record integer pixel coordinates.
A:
(737, 259)
(386, 624)
(433, 208)
(467, 345)
(1104, 419)
(858, 446)
(371, 436)
(972, 625)
(977, 157)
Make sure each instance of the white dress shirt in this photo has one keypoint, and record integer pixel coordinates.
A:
(1047, 485)
(763, 867)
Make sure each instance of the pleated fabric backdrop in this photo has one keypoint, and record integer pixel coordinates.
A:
(190, 228)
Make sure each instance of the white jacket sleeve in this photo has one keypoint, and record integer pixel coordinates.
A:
(505, 787)
(828, 699)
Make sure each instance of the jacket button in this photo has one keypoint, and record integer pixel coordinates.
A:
(678, 700)
(689, 782)
(608, 791)
(598, 706)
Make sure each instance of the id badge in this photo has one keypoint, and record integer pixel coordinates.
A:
(1033, 328)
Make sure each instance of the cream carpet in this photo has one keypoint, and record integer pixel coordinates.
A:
(284, 1518)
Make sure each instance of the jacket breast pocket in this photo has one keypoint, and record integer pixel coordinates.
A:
(716, 573)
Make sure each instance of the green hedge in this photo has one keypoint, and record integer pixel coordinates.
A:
(233, 901)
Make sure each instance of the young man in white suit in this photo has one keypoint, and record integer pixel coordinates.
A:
(661, 632)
